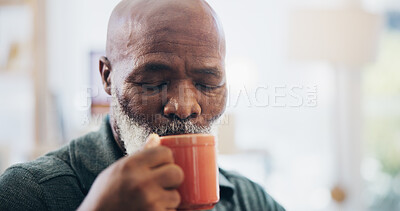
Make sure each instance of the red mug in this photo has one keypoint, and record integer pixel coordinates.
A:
(196, 155)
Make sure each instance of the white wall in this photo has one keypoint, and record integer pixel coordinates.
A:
(298, 137)
(75, 28)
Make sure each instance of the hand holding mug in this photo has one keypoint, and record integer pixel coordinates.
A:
(147, 180)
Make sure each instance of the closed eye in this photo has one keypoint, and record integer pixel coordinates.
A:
(152, 89)
(156, 86)
(206, 88)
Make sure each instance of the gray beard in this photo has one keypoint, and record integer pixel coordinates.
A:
(133, 132)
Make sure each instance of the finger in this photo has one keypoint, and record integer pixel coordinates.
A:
(152, 141)
(155, 156)
(171, 199)
(168, 176)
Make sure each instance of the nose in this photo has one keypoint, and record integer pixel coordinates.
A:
(182, 102)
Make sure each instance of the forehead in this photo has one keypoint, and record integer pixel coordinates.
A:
(174, 42)
(171, 29)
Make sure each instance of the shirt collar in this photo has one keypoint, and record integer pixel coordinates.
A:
(226, 187)
(93, 153)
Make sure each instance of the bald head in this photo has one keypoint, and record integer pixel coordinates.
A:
(136, 24)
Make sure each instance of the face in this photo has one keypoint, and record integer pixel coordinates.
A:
(169, 79)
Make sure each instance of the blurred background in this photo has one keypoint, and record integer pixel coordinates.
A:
(313, 112)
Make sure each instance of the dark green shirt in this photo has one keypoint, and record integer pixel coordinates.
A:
(61, 179)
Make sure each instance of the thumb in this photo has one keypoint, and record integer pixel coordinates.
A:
(152, 141)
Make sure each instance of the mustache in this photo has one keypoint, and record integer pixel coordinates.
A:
(178, 126)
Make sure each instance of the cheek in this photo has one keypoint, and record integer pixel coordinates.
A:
(140, 104)
(213, 105)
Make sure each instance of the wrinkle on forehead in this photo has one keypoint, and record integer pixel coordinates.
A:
(134, 24)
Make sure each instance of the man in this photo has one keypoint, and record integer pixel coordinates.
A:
(165, 71)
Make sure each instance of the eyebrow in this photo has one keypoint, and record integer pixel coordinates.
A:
(155, 67)
(152, 67)
(208, 71)
(158, 67)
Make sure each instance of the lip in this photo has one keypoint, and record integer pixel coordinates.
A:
(188, 135)
(180, 133)
(170, 133)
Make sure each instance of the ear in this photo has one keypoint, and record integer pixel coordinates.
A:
(105, 70)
